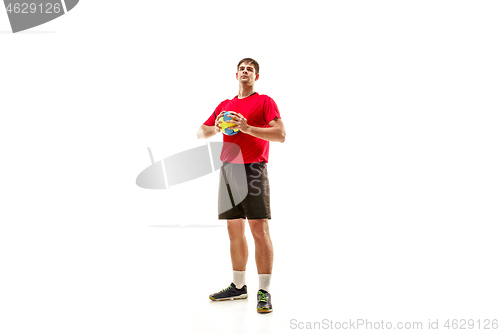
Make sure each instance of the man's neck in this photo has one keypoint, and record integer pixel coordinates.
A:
(245, 91)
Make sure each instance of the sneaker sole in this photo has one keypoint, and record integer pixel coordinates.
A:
(245, 296)
(264, 310)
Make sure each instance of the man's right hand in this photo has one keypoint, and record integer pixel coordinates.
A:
(218, 120)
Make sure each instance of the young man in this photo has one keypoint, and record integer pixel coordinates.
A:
(258, 120)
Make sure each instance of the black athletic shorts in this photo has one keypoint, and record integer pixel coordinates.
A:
(244, 191)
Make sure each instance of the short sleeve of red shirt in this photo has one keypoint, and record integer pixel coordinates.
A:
(211, 120)
(270, 110)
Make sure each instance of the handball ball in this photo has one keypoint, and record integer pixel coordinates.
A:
(226, 127)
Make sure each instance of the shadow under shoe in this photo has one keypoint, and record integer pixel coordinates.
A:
(230, 293)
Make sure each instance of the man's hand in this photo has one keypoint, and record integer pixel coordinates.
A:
(275, 131)
(240, 121)
(218, 120)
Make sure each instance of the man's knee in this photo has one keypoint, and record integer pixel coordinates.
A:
(260, 229)
(236, 228)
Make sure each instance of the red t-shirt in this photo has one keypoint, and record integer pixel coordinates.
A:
(259, 110)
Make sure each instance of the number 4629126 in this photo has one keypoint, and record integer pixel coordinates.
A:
(31, 8)
(471, 324)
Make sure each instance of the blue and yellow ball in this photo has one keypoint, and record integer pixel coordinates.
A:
(226, 127)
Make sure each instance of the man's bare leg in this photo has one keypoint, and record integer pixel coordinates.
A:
(239, 258)
(264, 253)
(264, 256)
(238, 244)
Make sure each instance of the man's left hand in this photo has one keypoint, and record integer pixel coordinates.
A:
(240, 121)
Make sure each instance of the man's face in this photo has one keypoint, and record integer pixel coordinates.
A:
(246, 74)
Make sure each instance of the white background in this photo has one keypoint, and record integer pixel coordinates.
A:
(384, 195)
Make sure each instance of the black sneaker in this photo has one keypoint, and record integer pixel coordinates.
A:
(264, 301)
(230, 293)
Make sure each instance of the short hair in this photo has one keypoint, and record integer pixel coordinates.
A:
(251, 62)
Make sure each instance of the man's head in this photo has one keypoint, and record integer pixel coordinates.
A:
(248, 71)
(250, 61)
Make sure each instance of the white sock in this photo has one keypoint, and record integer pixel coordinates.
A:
(264, 281)
(239, 279)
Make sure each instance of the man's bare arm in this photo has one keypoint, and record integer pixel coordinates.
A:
(205, 131)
